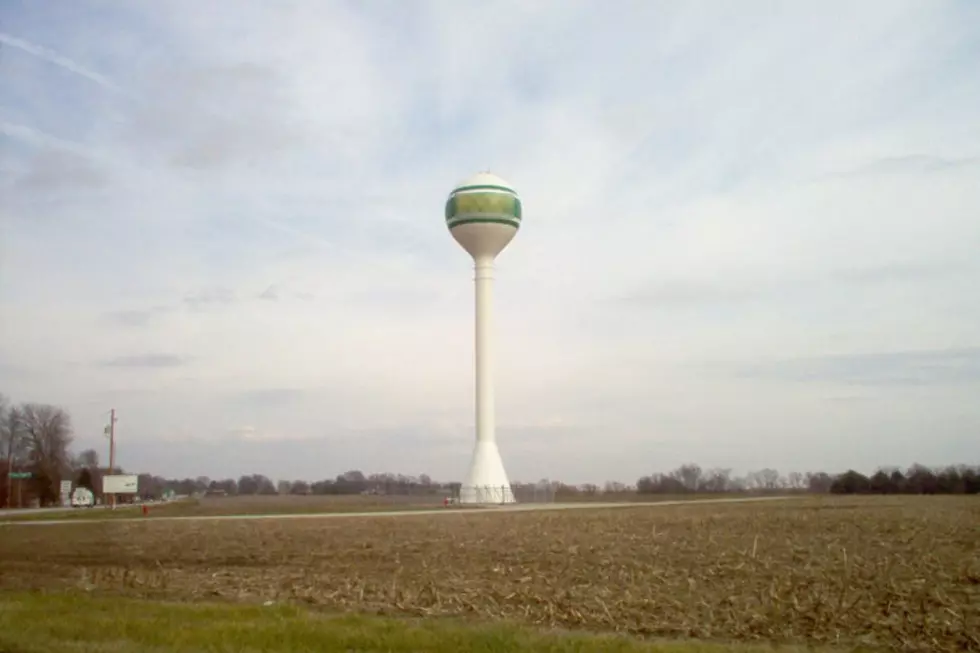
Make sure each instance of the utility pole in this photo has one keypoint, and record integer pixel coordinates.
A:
(112, 452)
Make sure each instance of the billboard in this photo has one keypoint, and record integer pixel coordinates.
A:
(120, 484)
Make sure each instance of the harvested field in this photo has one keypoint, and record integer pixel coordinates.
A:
(256, 505)
(889, 573)
(317, 505)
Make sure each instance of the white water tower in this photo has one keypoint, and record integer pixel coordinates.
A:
(483, 214)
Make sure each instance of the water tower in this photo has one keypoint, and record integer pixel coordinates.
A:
(483, 213)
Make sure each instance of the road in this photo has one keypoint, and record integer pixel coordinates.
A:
(521, 507)
(13, 512)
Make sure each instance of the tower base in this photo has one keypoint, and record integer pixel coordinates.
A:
(486, 482)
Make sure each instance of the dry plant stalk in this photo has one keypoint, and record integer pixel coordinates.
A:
(894, 572)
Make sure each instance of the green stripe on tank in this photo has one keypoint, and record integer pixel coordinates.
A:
(511, 222)
(486, 187)
(483, 203)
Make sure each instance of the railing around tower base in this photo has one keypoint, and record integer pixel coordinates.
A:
(502, 494)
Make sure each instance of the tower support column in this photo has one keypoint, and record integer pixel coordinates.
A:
(486, 482)
(486, 428)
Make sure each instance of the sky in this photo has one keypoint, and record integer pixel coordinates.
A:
(750, 238)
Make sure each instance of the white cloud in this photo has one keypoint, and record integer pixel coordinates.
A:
(249, 203)
(55, 58)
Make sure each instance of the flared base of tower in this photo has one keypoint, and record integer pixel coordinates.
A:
(487, 482)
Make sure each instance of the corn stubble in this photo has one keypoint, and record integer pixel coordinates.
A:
(896, 573)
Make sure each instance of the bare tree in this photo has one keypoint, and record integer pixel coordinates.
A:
(248, 485)
(717, 480)
(770, 478)
(4, 407)
(88, 459)
(48, 432)
(255, 484)
(819, 482)
(299, 487)
(12, 445)
(690, 475)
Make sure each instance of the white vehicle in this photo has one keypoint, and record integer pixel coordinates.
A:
(82, 497)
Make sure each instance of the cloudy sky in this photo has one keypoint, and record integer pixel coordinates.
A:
(751, 232)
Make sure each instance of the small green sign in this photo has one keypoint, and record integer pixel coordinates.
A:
(16, 475)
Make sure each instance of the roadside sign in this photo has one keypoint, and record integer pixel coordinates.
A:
(66, 494)
(120, 484)
(16, 475)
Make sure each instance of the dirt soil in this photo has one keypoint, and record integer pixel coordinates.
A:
(896, 573)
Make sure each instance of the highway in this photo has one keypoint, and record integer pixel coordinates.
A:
(521, 507)
(13, 512)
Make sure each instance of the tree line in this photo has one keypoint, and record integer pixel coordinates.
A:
(686, 479)
(37, 438)
(352, 482)
(917, 479)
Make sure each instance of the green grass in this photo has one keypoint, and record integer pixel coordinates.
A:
(42, 623)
